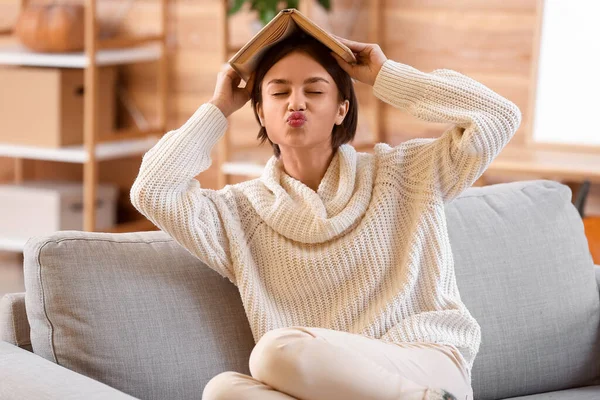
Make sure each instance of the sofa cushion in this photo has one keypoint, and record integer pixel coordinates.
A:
(133, 310)
(524, 270)
(581, 393)
(28, 376)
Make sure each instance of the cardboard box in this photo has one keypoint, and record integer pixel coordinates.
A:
(34, 208)
(42, 106)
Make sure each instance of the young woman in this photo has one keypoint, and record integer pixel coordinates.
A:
(342, 259)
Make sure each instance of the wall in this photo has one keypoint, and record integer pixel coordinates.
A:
(488, 40)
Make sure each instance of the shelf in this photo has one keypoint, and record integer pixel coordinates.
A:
(16, 54)
(78, 154)
(242, 168)
(13, 245)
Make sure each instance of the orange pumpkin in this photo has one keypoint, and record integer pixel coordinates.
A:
(51, 27)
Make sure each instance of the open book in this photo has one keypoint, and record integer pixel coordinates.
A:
(286, 23)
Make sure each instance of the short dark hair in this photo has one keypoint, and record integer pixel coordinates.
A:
(341, 134)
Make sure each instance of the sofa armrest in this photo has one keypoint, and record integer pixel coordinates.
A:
(29, 376)
(14, 326)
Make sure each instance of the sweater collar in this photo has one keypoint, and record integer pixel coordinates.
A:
(299, 213)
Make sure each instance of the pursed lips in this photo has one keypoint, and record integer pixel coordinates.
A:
(297, 116)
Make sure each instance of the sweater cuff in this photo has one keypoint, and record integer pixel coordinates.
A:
(400, 84)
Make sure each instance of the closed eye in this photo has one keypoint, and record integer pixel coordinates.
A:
(279, 94)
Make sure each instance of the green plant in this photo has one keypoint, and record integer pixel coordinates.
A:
(267, 9)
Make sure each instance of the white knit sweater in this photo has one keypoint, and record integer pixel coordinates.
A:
(368, 252)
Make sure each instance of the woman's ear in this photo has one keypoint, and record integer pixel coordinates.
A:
(342, 111)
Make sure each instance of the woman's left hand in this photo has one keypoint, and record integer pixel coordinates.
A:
(369, 57)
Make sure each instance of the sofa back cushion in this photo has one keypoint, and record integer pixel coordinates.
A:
(135, 311)
(524, 271)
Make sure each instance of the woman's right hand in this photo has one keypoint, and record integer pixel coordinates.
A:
(228, 97)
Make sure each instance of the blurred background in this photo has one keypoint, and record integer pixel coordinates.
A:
(114, 75)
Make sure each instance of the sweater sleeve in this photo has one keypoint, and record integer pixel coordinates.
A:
(483, 123)
(167, 193)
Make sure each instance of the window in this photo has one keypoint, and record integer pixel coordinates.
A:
(567, 101)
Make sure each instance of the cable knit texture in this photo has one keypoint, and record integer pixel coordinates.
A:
(368, 252)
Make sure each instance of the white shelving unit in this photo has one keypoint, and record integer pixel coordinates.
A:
(97, 53)
(16, 54)
(243, 168)
(15, 245)
(77, 154)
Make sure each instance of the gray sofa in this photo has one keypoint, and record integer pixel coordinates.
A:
(134, 315)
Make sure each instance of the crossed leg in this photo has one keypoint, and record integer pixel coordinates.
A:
(310, 363)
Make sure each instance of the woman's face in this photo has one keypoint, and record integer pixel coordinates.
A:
(298, 86)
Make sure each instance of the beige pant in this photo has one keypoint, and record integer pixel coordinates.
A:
(310, 363)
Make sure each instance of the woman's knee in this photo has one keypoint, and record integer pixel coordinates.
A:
(221, 386)
(278, 352)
